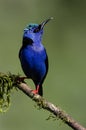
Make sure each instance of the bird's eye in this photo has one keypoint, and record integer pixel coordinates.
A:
(37, 29)
(29, 26)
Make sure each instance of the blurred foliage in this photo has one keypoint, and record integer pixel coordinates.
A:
(65, 41)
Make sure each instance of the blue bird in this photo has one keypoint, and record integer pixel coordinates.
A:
(33, 56)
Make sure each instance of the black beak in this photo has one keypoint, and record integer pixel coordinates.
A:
(44, 22)
(41, 26)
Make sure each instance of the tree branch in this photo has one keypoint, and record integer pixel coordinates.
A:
(51, 107)
(8, 82)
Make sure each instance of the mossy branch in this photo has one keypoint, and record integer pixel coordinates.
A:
(8, 82)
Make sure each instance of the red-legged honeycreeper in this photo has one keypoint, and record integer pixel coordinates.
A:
(33, 56)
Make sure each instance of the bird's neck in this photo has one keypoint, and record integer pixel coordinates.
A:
(37, 46)
(27, 41)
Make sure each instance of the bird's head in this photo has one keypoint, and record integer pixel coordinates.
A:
(35, 31)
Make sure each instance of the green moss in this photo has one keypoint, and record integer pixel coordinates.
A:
(7, 83)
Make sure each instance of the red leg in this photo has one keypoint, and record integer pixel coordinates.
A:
(36, 91)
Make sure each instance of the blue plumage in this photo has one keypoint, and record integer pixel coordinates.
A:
(33, 56)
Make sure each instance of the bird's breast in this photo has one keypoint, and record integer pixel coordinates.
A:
(33, 61)
(37, 48)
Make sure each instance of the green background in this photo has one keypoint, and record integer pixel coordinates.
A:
(65, 41)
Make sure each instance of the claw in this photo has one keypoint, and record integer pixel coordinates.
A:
(36, 91)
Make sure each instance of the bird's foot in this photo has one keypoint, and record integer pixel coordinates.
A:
(36, 90)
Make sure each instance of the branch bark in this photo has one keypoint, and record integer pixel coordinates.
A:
(59, 113)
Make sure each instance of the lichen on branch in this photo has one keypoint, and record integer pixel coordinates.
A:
(7, 83)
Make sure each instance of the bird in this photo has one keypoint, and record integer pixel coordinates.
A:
(33, 56)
